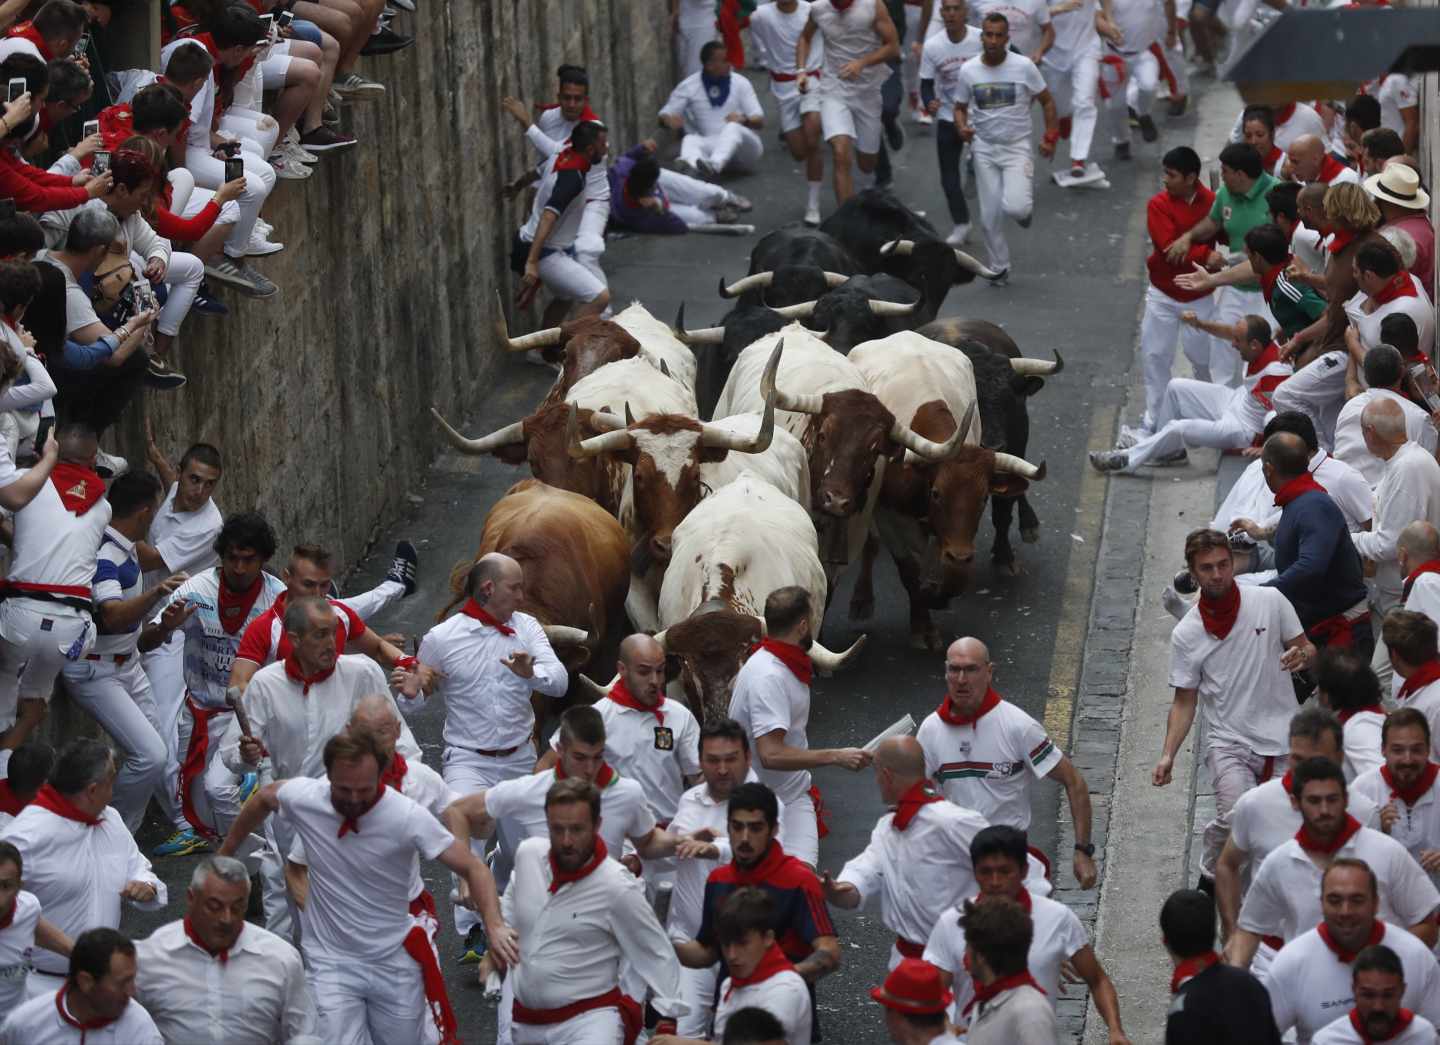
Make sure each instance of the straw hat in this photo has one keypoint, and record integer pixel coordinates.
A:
(1400, 185)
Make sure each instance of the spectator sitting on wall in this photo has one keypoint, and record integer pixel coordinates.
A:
(31, 188)
(644, 197)
(29, 387)
(52, 33)
(70, 90)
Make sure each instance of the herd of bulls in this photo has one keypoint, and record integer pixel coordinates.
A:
(871, 423)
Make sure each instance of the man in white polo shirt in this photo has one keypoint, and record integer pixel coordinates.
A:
(1404, 790)
(1284, 897)
(774, 31)
(1410, 639)
(772, 701)
(719, 113)
(986, 754)
(1310, 980)
(760, 976)
(1234, 652)
(371, 967)
(1378, 984)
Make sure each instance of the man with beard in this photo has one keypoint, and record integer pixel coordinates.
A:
(986, 754)
(1404, 788)
(211, 977)
(371, 968)
(1379, 987)
(772, 701)
(1235, 654)
(1310, 979)
(581, 917)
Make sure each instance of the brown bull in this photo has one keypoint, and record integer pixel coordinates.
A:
(581, 346)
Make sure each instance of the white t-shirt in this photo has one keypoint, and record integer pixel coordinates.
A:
(624, 813)
(1342, 1032)
(941, 61)
(690, 101)
(1247, 696)
(17, 946)
(1418, 827)
(849, 35)
(1418, 308)
(998, 97)
(1141, 23)
(184, 539)
(1394, 92)
(1027, 18)
(768, 697)
(1074, 35)
(1350, 444)
(783, 995)
(774, 34)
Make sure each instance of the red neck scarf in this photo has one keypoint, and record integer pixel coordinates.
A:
(1429, 566)
(222, 955)
(1269, 279)
(1282, 116)
(28, 31)
(1219, 615)
(952, 717)
(79, 487)
(1349, 713)
(985, 991)
(1295, 487)
(1264, 359)
(1377, 932)
(1288, 781)
(394, 775)
(10, 914)
(764, 868)
(1272, 157)
(789, 654)
(9, 801)
(292, 668)
(1024, 900)
(1404, 1017)
(559, 877)
(475, 611)
(352, 823)
(603, 779)
(70, 1021)
(570, 160)
(620, 694)
(1331, 168)
(773, 962)
(1411, 795)
(235, 606)
(1340, 239)
(920, 794)
(1400, 286)
(1189, 968)
(50, 799)
(1420, 678)
(1311, 844)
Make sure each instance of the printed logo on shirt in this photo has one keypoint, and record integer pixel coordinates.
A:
(995, 95)
(664, 738)
(979, 770)
(1225, 213)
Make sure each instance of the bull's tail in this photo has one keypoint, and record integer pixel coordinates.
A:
(458, 573)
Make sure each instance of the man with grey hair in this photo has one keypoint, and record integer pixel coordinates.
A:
(80, 859)
(1383, 369)
(1418, 551)
(489, 658)
(212, 978)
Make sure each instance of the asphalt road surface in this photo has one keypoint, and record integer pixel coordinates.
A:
(1076, 285)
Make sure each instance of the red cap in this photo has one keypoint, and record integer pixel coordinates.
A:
(913, 987)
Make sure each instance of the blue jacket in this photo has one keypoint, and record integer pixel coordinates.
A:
(1319, 569)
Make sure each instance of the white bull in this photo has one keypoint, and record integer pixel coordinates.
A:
(658, 344)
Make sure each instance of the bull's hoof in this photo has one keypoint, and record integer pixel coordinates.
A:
(1031, 536)
(862, 609)
(927, 640)
(1009, 569)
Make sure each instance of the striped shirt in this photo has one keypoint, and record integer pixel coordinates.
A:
(117, 576)
(1294, 305)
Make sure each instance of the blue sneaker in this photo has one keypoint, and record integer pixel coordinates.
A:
(475, 945)
(249, 784)
(207, 303)
(182, 843)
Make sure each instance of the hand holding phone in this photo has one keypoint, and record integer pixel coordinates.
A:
(15, 88)
(90, 127)
(101, 163)
(234, 168)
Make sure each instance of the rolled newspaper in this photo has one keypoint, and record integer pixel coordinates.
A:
(902, 728)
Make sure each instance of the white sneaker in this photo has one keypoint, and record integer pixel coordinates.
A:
(259, 245)
(298, 152)
(264, 227)
(1130, 436)
(287, 166)
(959, 236)
(812, 216)
(920, 116)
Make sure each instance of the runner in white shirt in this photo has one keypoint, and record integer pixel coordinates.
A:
(1346, 685)
(1032, 32)
(771, 700)
(1284, 897)
(1311, 978)
(986, 754)
(1378, 984)
(80, 860)
(1404, 790)
(859, 40)
(371, 967)
(23, 929)
(918, 859)
(1418, 551)
(213, 979)
(1399, 101)
(91, 1005)
(999, 856)
(1233, 651)
(719, 113)
(580, 916)
(1142, 25)
(760, 976)
(1072, 71)
(940, 61)
(992, 112)
(774, 31)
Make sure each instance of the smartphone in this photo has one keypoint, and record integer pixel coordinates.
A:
(82, 45)
(101, 163)
(90, 127)
(234, 168)
(43, 432)
(16, 88)
(283, 19)
(265, 21)
(7, 209)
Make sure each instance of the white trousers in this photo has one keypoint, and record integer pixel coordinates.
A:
(734, 147)
(1234, 769)
(1317, 390)
(1192, 413)
(118, 697)
(1074, 90)
(1231, 305)
(688, 41)
(374, 1002)
(253, 125)
(214, 791)
(259, 182)
(369, 603)
(1159, 328)
(1005, 183)
(693, 192)
(800, 830)
(596, 1027)
(697, 988)
(467, 772)
(572, 277)
(164, 666)
(36, 640)
(182, 280)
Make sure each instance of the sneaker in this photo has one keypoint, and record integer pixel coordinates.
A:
(1129, 437)
(475, 945)
(161, 377)
(182, 843)
(259, 246)
(959, 235)
(1179, 105)
(1131, 116)
(323, 139)
(206, 303)
(330, 115)
(110, 466)
(264, 227)
(1175, 604)
(726, 214)
(685, 167)
(1177, 459)
(1109, 460)
(921, 117)
(293, 144)
(739, 202)
(386, 41)
(1184, 583)
(894, 135)
(812, 217)
(707, 169)
(404, 567)
(352, 87)
(249, 784)
(1122, 151)
(1148, 130)
(287, 166)
(234, 272)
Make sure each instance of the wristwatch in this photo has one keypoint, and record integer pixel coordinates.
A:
(1088, 848)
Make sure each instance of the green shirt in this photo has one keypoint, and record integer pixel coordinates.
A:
(1237, 214)
(1294, 305)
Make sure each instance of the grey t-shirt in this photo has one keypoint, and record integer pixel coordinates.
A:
(1022, 1016)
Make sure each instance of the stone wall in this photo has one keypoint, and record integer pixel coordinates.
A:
(394, 252)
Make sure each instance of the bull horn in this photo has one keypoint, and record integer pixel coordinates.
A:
(800, 403)
(659, 637)
(564, 635)
(511, 433)
(713, 435)
(595, 445)
(592, 689)
(828, 661)
(973, 264)
(629, 417)
(734, 290)
(804, 310)
(1037, 367)
(902, 247)
(834, 279)
(606, 421)
(928, 449)
(1019, 466)
(539, 339)
(891, 308)
(698, 336)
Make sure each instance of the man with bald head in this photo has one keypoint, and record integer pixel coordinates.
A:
(1417, 550)
(1312, 164)
(986, 754)
(489, 658)
(918, 859)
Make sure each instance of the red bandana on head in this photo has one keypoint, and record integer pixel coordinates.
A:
(352, 823)
(789, 654)
(1403, 1018)
(773, 962)
(475, 611)
(1311, 844)
(50, 799)
(1190, 968)
(223, 954)
(985, 991)
(1416, 791)
(294, 671)
(394, 775)
(1400, 286)
(920, 794)
(79, 487)
(1301, 484)
(1420, 678)
(559, 877)
(1429, 566)
(1219, 615)
(620, 694)
(951, 716)
(1377, 932)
